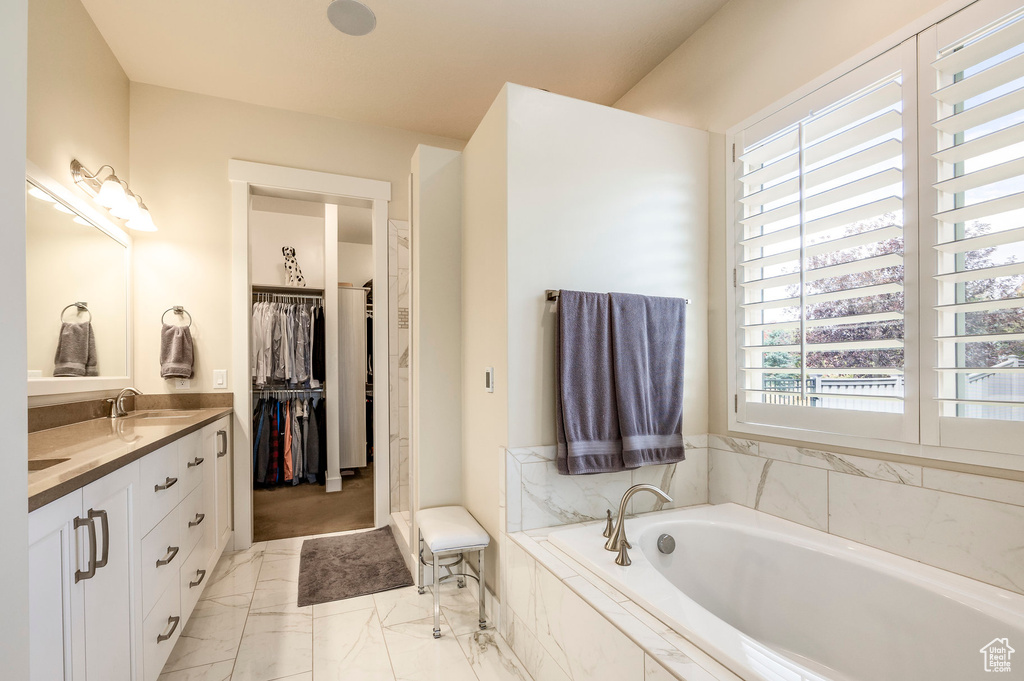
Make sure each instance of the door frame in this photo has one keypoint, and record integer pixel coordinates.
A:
(320, 186)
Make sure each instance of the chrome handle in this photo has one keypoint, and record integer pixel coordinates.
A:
(102, 515)
(172, 551)
(173, 621)
(201, 574)
(91, 572)
(200, 517)
(168, 483)
(222, 443)
(195, 462)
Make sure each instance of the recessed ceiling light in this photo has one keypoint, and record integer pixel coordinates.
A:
(351, 17)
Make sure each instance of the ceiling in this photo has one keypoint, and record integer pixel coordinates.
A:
(433, 67)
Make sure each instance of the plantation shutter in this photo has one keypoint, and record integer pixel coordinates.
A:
(979, 163)
(819, 240)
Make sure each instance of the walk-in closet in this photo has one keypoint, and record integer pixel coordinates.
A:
(311, 367)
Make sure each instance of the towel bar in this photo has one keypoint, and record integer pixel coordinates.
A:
(552, 296)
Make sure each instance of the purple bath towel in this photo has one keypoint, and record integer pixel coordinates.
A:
(618, 381)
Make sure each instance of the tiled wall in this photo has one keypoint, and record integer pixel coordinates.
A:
(398, 356)
(537, 496)
(566, 624)
(968, 524)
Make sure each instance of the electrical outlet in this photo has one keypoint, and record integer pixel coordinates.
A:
(182, 383)
(220, 378)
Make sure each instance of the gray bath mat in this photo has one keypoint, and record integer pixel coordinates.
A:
(335, 568)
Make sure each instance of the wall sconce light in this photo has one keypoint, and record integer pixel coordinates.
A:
(113, 194)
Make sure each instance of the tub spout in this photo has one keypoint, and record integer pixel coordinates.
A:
(618, 536)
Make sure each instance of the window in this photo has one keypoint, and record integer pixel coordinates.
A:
(844, 327)
(821, 254)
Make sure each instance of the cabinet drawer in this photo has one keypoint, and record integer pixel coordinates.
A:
(194, 574)
(195, 519)
(160, 486)
(192, 462)
(162, 555)
(164, 621)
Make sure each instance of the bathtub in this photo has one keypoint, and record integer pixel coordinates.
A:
(772, 600)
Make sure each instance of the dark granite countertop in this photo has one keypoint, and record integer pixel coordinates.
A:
(97, 447)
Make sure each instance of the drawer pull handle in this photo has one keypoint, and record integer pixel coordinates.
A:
(168, 483)
(222, 443)
(105, 523)
(173, 621)
(172, 551)
(201, 574)
(91, 572)
(200, 517)
(195, 462)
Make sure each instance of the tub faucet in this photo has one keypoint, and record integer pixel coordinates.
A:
(617, 541)
(117, 409)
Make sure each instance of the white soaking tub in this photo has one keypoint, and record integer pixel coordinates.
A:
(776, 601)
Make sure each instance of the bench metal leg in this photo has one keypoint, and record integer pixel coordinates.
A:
(437, 597)
(483, 590)
(419, 566)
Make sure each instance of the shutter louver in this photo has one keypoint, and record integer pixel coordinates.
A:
(979, 123)
(820, 240)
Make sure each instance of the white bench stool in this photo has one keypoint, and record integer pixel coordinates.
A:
(450, 531)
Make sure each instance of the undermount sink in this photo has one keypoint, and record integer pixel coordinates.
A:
(43, 464)
(161, 414)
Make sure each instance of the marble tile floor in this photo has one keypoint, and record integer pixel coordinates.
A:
(247, 627)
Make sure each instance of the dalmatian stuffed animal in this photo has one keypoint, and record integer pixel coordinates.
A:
(293, 273)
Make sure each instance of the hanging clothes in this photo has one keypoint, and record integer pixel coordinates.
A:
(282, 343)
(290, 445)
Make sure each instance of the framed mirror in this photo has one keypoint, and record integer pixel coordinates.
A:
(78, 271)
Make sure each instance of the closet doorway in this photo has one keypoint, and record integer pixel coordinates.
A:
(309, 398)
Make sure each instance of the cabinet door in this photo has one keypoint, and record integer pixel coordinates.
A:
(224, 484)
(55, 553)
(109, 614)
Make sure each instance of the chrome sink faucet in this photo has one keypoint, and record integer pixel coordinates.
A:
(117, 409)
(617, 534)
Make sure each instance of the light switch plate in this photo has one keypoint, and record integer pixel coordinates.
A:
(220, 378)
(489, 379)
(182, 383)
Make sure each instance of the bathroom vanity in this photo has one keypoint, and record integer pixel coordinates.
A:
(128, 518)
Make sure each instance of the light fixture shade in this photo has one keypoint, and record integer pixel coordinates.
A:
(142, 222)
(127, 208)
(112, 193)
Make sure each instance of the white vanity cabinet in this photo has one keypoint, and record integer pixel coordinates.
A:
(217, 442)
(117, 567)
(82, 552)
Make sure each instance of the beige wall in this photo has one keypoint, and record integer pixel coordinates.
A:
(13, 413)
(77, 93)
(752, 53)
(598, 200)
(180, 147)
(355, 263)
(484, 320)
(436, 361)
(269, 231)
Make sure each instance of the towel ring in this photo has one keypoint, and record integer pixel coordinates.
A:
(81, 307)
(179, 310)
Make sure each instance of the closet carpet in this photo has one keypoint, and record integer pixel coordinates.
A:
(302, 510)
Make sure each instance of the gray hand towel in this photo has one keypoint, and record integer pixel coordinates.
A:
(76, 351)
(587, 417)
(175, 352)
(648, 342)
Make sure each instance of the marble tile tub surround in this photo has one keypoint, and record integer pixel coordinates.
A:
(537, 496)
(566, 624)
(965, 523)
(247, 627)
(57, 415)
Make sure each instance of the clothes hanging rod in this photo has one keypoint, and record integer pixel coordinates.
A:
(552, 296)
(286, 391)
(286, 290)
(284, 296)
